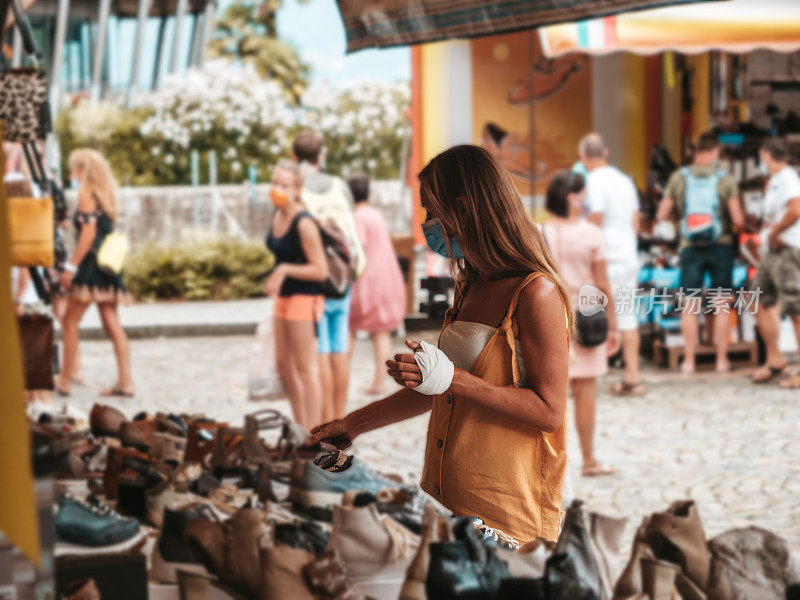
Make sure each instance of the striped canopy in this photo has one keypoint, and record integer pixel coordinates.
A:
(380, 23)
(739, 26)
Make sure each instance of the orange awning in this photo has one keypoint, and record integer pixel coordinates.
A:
(737, 26)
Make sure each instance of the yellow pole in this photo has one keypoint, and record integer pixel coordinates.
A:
(18, 520)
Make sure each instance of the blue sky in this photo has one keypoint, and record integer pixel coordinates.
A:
(315, 28)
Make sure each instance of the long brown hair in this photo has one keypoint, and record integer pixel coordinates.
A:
(97, 177)
(476, 199)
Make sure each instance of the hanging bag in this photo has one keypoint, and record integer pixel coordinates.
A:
(23, 91)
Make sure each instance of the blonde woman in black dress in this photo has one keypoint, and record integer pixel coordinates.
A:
(84, 281)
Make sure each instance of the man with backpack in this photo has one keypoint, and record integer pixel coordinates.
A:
(329, 201)
(705, 200)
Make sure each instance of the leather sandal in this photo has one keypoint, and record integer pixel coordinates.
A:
(768, 373)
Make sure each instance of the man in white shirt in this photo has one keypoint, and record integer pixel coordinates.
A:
(613, 205)
(778, 275)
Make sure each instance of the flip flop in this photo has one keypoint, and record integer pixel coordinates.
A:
(773, 373)
(116, 391)
(597, 469)
(626, 388)
(792, 383)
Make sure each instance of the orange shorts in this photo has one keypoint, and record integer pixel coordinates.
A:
(299, 307)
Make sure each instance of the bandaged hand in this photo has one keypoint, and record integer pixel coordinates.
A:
(428, 370)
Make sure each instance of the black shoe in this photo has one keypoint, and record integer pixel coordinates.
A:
(465, 569)
(49, 449)
(305, 535)
(171, 553)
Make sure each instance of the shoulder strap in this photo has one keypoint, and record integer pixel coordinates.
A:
(512, 305)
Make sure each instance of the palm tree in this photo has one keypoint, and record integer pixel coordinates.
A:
(248, 32)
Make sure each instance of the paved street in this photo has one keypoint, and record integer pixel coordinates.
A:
(728, 444)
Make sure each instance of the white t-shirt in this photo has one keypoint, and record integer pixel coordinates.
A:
(612, 193)
(782, 187)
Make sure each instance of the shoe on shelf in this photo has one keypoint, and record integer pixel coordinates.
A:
(310, 485)
(467, 567)
(247, 532)
(306, 535)
(168, 499)
(90, 523)
(326, 575)
(137, 434)
(375, 549)
(49, 449)
(171, 553)
(282, 573)
(167, 450)
(106, 420)
(400, 506)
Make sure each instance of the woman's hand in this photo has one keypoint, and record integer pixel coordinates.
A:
(404, 369)
(66, 279)
(339, 433)
(275, 281)
(613, 342)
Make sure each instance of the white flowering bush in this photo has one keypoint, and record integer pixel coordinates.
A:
(245, 119)
(364, 125)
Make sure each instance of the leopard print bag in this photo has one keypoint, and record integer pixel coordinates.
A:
(23, 105)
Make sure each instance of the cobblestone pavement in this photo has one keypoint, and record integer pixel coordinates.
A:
(730, 445)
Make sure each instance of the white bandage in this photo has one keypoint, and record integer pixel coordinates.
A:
(437, 369)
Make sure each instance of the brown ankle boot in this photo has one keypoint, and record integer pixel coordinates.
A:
(247, 532)
(676, 535)
(106, 420)
(201, 440)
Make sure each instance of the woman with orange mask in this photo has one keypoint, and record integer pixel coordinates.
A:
(300, 266)
(496, 381)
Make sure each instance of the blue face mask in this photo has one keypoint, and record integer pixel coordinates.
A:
(436, 241)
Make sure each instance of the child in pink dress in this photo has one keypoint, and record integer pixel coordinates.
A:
(379, 295)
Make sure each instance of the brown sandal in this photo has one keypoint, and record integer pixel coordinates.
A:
(626, 388)
(768, 373)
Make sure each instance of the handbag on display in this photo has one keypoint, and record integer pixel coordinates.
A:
(112, 253)
(37, 334)
(31, 226)
(24, 105)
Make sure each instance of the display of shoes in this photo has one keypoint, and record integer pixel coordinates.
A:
(90, 523)
(346, 532)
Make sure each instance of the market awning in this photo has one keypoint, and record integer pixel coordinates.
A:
(741, 26)
(380, 23)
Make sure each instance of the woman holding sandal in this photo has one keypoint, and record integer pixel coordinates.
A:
(496, 385)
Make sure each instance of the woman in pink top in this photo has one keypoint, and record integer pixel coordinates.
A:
(379, 295)
(578, 248)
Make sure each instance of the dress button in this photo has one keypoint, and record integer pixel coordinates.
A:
(439, 443)
(437, 490)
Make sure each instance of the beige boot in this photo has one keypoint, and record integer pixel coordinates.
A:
(375, 549)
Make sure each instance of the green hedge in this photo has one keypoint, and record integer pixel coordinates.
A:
(214, 269)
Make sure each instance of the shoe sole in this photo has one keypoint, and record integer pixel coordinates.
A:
(309, 498)
(131, 545)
